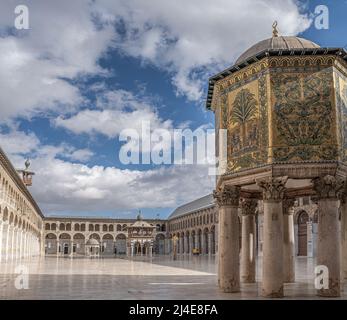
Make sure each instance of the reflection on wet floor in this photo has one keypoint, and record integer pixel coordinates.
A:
(140, 278)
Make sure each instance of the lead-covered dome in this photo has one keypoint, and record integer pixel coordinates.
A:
(277, 43)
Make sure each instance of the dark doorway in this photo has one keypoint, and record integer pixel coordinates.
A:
(303, 218)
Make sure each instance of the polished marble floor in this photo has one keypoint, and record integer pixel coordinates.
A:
(139, 278)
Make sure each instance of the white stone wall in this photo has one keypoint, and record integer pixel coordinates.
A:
(70, 237)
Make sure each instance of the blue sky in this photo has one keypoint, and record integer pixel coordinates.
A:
(77, 77)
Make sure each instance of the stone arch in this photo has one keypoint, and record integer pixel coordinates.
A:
(51, 243)
(108, 246)
(5, 214)
(79, 244)
(65, 236)
(78, 236)
(65, 243)
(120, 247)
(159, 245)
(95, 236)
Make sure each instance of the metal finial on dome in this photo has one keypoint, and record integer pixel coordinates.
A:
(274, 29)
(27, 164)
(139, 216)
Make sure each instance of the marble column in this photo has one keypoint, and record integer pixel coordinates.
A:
(210, 244)
(196, 240)
(191, 246)
(328, 189)
(228, 255)
(248, 208)
(203, 243)
(181, 245)
(344, 235)
(1, 228)
(186, 249)
(288, 242)
(7, 249)
(273, 193)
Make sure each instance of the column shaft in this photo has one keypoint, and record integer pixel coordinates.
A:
(288, 242)
(329, 189)
(248, 241)
(273, 193)
(328, 245)
(344, 237)
(229, 261)
(228, 251)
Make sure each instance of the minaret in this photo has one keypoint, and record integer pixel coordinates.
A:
(25, 174)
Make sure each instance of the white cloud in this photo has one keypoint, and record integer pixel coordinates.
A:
(190, 39)
(63, 185)
(62, 44)
(81, 155)
(194, 38)
(116, 111)
(17, 143)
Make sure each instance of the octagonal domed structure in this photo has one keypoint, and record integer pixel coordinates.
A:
(284, 101)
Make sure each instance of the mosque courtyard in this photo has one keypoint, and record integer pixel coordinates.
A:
(140, 278)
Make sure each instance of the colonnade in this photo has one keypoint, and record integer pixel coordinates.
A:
(17, 241)
(278, 261)
(204, 242)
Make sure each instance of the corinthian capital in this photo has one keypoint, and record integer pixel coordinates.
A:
(273, 188)
(328, 187)
(248, 206)
(228, 196)
(288, 205)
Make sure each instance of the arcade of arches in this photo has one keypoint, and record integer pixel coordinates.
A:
(24, 231)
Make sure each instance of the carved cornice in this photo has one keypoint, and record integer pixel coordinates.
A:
(328, 187)
(227, 196)
(273, 188)
(248, 207)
